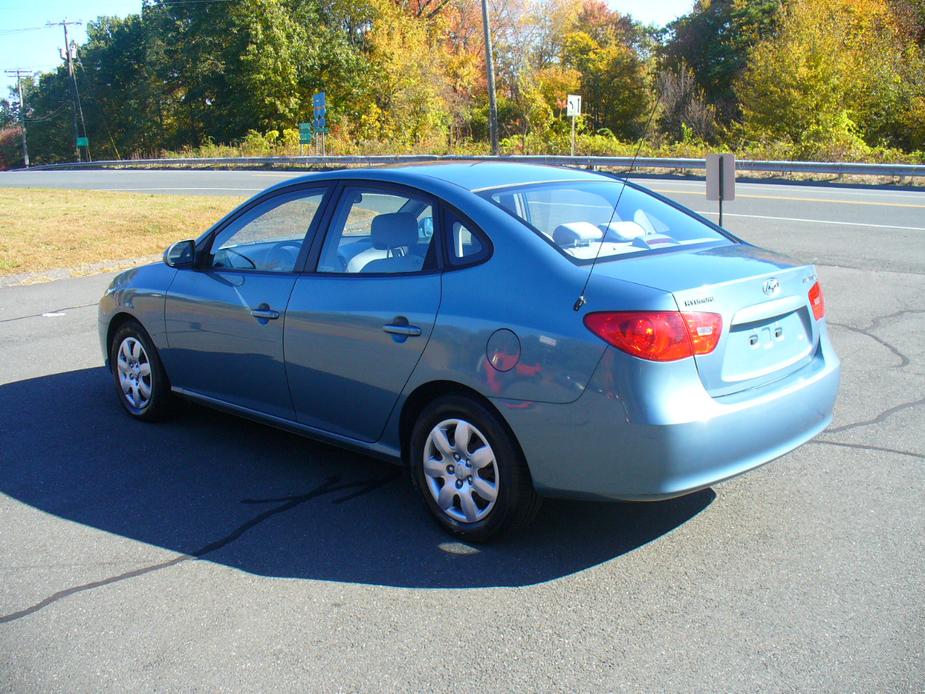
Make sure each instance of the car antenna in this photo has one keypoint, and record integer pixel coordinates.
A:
(581, 297)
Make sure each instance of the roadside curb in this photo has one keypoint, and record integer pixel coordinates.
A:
(55, 274)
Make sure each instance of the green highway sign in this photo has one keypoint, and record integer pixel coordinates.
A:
(83, 141)
(305, 133)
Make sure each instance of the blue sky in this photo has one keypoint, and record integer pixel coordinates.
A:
(37, 48)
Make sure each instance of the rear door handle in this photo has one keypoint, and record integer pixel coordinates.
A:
(398, 329)
(265, 313)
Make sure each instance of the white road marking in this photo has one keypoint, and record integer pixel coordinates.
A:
(53, 314)
(813, 221)
(700, 186)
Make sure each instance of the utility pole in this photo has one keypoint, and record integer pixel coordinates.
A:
(75, 94)
(18, 72)
(490, 68)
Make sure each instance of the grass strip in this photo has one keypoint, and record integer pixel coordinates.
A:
(44, 229)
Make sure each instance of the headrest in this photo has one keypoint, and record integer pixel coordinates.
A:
(394, 229)
(576, 234)
(626, 231)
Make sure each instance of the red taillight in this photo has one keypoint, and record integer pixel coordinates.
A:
(817, 301)
(658, 335)
(704, 329)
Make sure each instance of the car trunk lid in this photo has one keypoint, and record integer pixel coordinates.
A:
(768, 326)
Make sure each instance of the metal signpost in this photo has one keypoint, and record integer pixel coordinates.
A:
(320, 106)
(721, 179)
(573, 110)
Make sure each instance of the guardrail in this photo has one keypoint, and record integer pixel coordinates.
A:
(811, 167)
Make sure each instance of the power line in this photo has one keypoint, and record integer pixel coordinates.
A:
(4, 32)
(49, 116)
(99, 107)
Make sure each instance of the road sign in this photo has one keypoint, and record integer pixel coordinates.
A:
(320, 106)
(83, 141)
(305, 133)
(721, 177)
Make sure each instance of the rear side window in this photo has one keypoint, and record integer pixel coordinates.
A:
(579, 219)
(465, 245)
(379, 231)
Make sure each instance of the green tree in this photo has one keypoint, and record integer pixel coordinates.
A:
(614, 91)
(714, 41)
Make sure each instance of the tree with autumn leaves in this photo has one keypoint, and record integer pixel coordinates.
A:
(828, 79)
(839, 76)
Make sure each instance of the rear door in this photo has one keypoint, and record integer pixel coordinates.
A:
(225, 317)
(356, 327)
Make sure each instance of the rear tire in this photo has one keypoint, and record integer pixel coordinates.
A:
(469, 470)
(141, 382)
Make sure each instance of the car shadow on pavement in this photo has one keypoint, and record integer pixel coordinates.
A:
(229, 491)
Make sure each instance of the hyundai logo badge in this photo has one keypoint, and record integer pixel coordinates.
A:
(771, 286)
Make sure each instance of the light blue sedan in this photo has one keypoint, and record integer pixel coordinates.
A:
(505, 331)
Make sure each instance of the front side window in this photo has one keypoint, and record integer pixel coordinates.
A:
(269, 237)
(379, 231)
(579, 219)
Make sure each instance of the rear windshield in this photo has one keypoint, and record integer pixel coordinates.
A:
(578, 218)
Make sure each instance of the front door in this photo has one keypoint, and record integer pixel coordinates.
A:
(356, 328)
(225, 317)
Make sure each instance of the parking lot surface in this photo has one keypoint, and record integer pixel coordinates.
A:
(212, 553)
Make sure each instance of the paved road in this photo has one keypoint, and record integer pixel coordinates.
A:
(211, 553)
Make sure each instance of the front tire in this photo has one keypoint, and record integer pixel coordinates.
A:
(141, 382)
(469, 471)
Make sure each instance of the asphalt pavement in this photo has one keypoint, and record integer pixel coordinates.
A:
(210, 553)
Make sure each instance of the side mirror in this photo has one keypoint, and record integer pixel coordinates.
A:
(180, 254)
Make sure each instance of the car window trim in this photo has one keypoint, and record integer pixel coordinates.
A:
(314, 256)
(204, 248)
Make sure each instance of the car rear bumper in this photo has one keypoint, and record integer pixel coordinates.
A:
(617, 441)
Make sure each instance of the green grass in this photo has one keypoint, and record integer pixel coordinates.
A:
(45, 229)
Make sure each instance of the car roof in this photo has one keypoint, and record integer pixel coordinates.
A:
(482, 175)
(470, 175)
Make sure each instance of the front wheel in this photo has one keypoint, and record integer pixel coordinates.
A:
(469, 471)
(141, 382)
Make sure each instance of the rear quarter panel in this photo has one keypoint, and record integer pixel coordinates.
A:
(528, 289)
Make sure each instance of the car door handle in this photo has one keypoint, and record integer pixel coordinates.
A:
(265, 313)
(399, 329)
